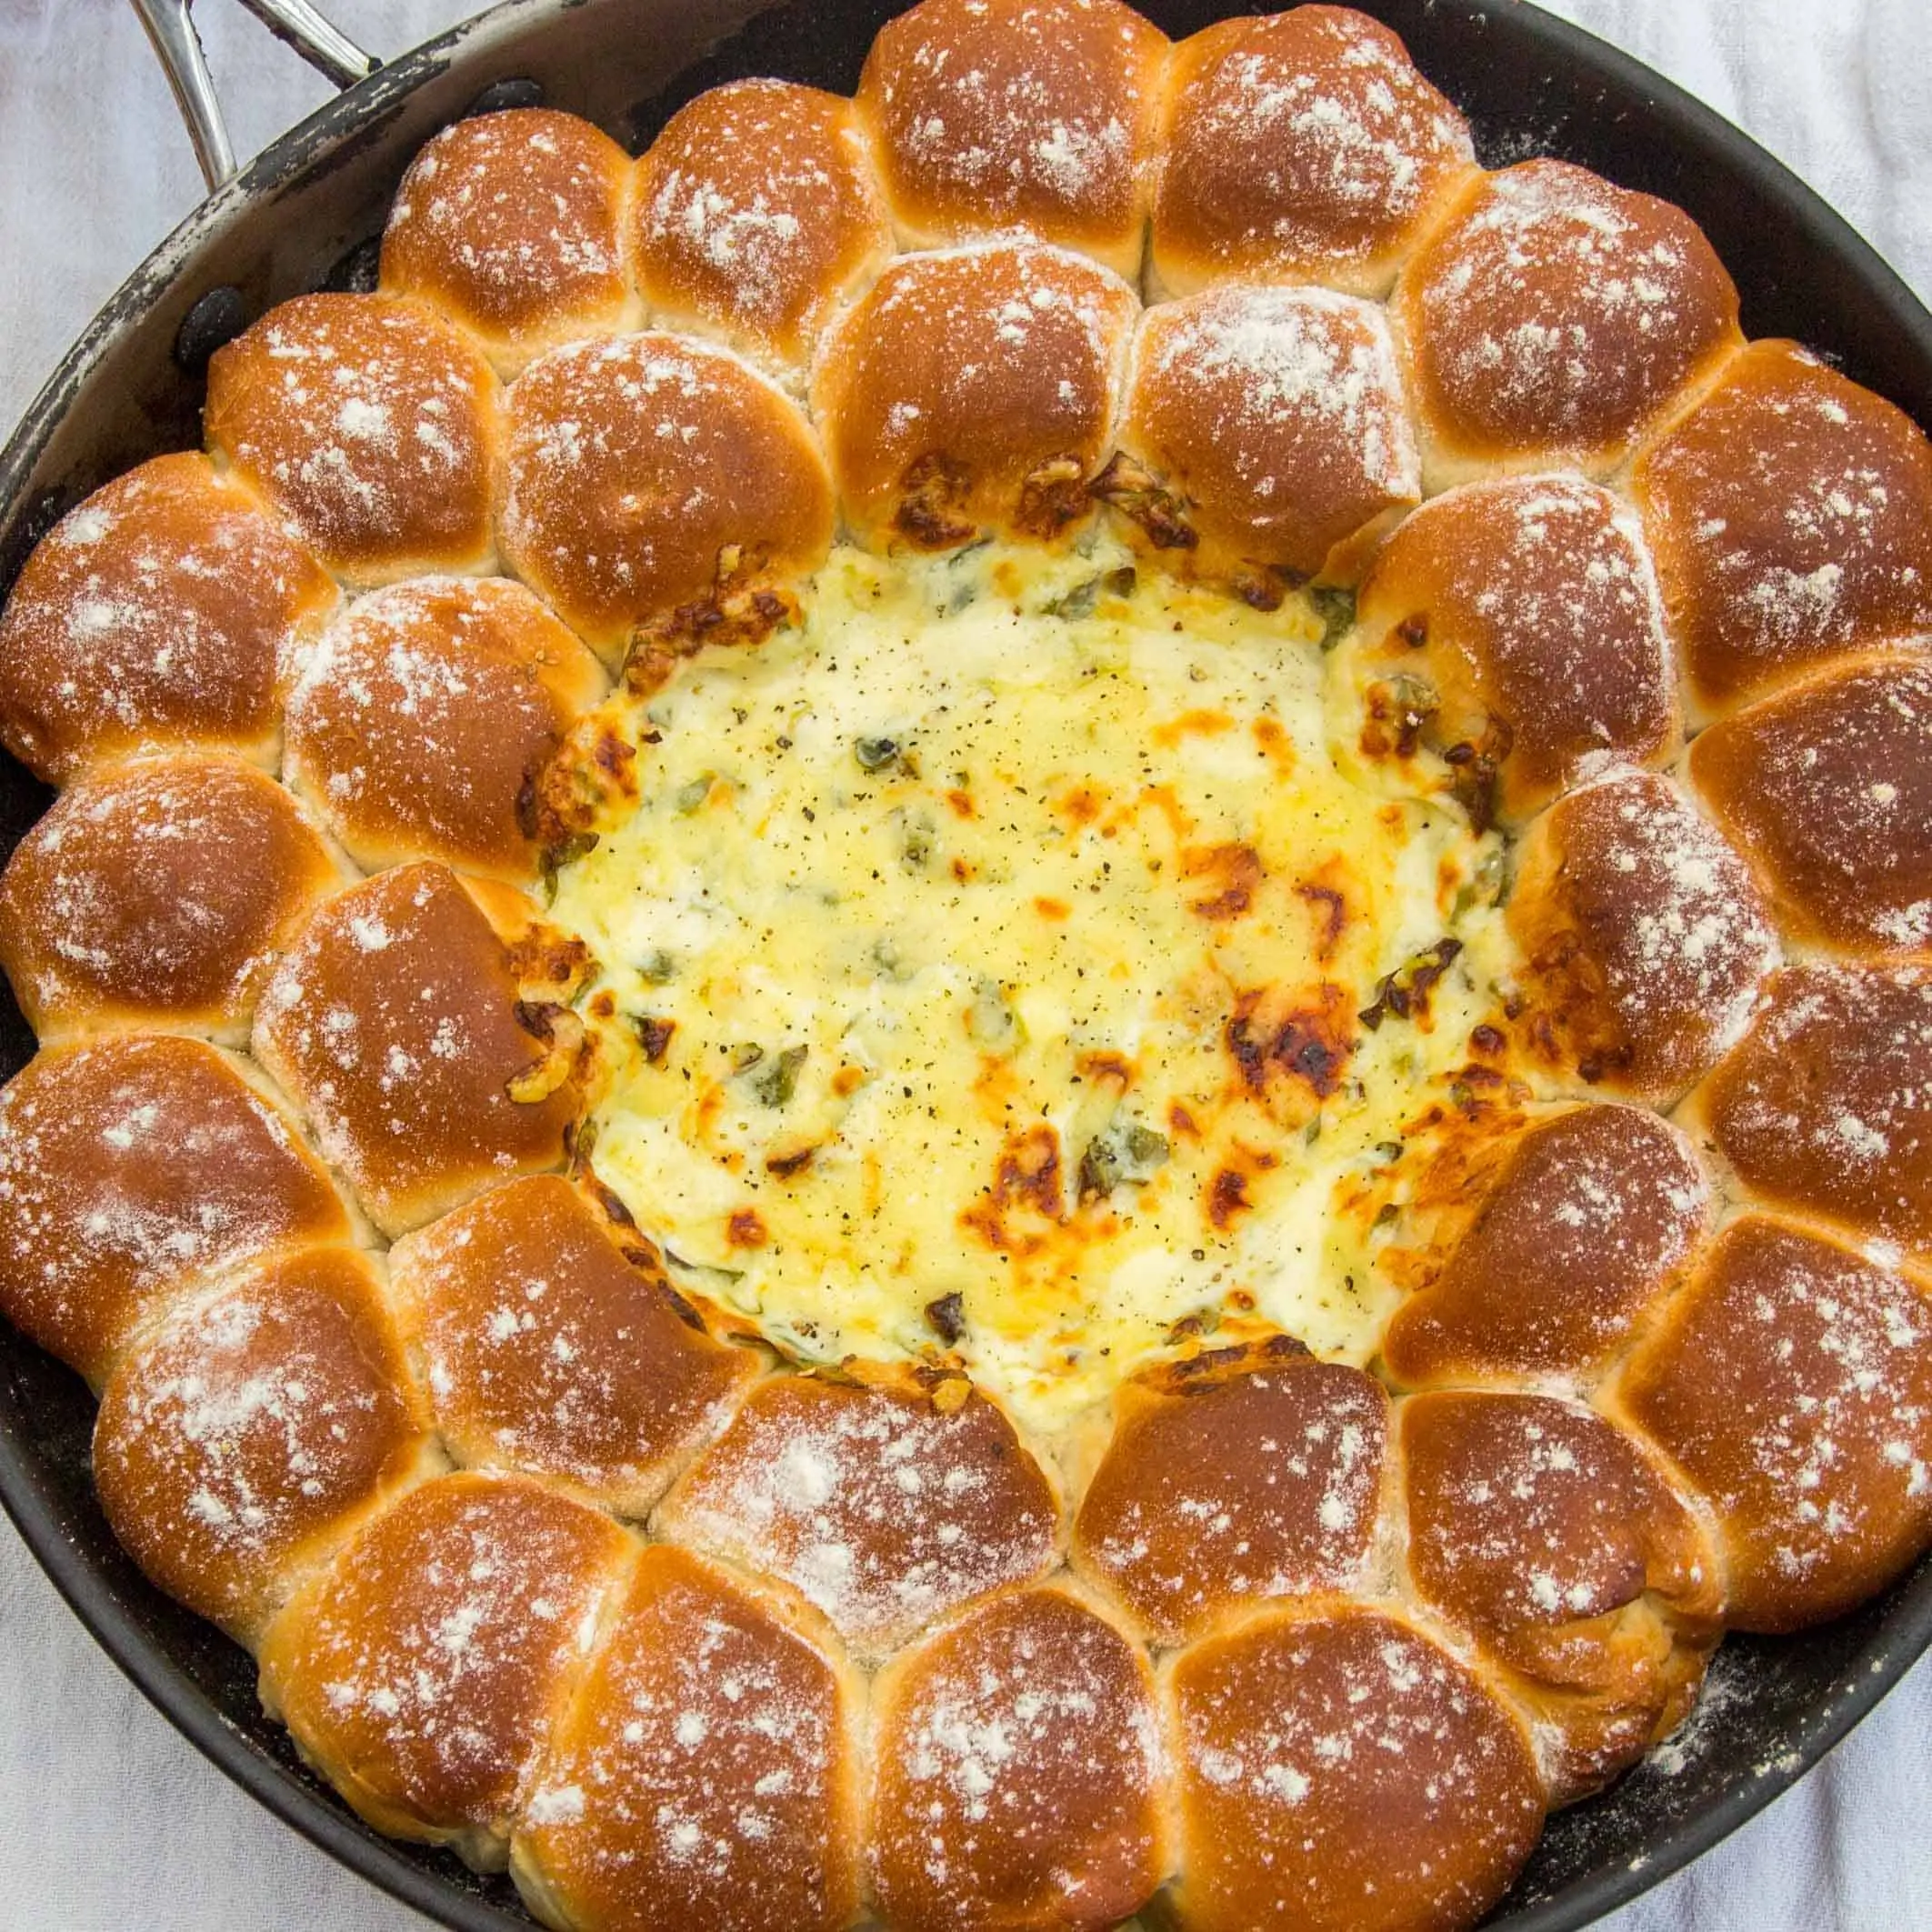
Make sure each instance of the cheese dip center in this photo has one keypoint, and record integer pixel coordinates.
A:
(982, 971)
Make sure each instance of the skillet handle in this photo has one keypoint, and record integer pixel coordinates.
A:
(178, 48)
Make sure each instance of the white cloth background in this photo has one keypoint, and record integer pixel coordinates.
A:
(110, 1823)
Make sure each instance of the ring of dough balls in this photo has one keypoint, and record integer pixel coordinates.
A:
(1299, 146)
(162, 613)
(371, 425)
(696, 1631)
(511, 225)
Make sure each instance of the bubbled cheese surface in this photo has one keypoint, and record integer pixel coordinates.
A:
(1003, 932)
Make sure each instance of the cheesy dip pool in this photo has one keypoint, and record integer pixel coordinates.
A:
(998, 963)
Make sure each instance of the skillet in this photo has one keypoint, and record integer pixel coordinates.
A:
(304, 215)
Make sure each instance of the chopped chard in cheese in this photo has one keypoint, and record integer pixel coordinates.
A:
(1000, 941)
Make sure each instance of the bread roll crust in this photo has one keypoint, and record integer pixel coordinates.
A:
(1585, 1226)
(1552, 318)
(1823, 1109)
(423, 718)
(1645, 938)
(160, 615)
(1528, 609)
(887, 1496)
(1275, 417)
(1016, 1773)
(422, 1671)
(510, 223)
(237, 1446)
(1299, 146)
(990, 116)
(1338, 1771)
(1547, 1536)
(1791, 517)
(707, 1771)
(758, 215)
(397, 1022)
(1828, 785)
(1186, 1517)
(973, 389)
(371, 425)
(549, 1347)
(649, 471)
(159, 893)
(136, 1166)
(1792, 1384)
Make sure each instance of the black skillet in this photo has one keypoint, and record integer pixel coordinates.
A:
(297, 218)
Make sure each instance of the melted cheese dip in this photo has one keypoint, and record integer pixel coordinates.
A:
(981, 970)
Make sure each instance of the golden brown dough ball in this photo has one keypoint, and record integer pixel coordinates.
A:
(371, 425)
(707, 1771)
(650, 473)
(421, 720)
(989, 115)
(550, 1347)
(888, 1499)
(1827, 787)
(398, 1022)
(1553, 317)
(1549, 1537)
(1825, 1107)
(1791, 517)
(1792, 1384)
(1643, 936)
(1515, 631)
(236, 1448)
(130, 1167)
(972, 388)
(161, 614)
(158, 894)
(1339, 1771)
(1184, 1517)
(1017, 1773)
(1271, 424)
(422, 1672)
(758, 215)
(1300, 146)
(511, 225)
(1584, 1227)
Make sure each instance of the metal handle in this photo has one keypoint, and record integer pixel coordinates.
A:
(178, 47)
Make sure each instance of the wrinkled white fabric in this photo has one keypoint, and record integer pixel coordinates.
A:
(108, 1822)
